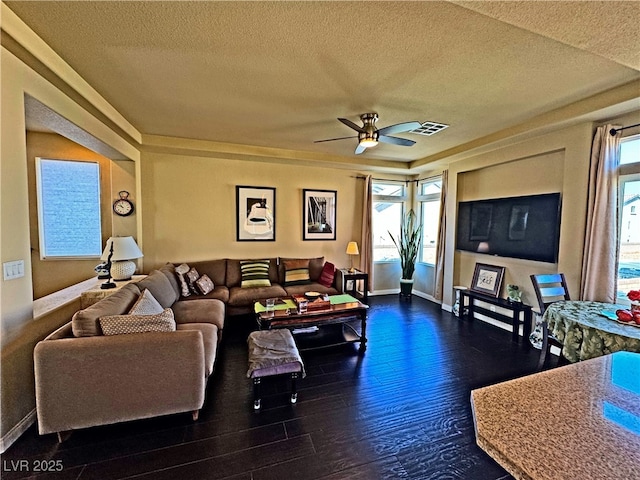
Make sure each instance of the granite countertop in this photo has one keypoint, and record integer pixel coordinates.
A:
(577, 421)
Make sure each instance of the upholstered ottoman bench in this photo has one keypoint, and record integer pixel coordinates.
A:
(273, 352)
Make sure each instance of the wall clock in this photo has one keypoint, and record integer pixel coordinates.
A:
(123, 206)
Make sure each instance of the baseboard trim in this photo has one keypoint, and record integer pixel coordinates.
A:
(13, 434)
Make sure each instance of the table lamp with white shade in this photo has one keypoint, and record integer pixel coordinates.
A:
(352, 250)
(125, 249)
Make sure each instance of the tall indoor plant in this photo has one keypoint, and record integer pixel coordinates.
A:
(408, 245)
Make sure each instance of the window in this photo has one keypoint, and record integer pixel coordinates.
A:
(68, 208)
(388, 207)
(629, 259)
(429, 198)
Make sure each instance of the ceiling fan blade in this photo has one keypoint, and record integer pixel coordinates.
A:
(332, 139)
(399, 127)
(360, 149)
(396, 141)
(350, 124)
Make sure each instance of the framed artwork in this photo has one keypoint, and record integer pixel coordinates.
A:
(319, 214)
(481, 215)
(487, 279)
(518, 222)
(255, 214)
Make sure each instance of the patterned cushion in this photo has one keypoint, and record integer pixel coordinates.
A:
(191, 277)
(296, 272)
(181, 271)
(121, 324)
(327, 274)
(204, 284)
(146, 305)
(255, 273)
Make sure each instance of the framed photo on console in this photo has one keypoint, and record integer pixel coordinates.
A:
(487, 279)
(255, 214)
(319, 214)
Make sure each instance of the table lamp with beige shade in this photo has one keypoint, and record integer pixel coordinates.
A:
(125, 249)
(352, 250)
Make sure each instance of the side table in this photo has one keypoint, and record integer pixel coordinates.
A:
(346, 276)
(95, 294)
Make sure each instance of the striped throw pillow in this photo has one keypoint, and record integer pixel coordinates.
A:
(255, 273)
(296, 272)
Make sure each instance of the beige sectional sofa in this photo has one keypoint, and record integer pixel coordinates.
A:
(85, 378)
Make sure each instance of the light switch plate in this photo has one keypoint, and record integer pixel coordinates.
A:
(13, 270)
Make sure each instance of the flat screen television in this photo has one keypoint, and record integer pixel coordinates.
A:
(525, 227)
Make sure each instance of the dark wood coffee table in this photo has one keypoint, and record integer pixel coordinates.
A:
(336, 325)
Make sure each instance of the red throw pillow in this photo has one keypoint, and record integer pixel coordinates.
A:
(327, 274)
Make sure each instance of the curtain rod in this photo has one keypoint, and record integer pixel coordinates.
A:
(613, 131)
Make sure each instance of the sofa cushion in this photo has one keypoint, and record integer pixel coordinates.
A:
(210, 339)
(170, 272)
(146, 305)
(255, 273)
(181, 271)
(204, 284)
(84, 323)
(327, 275)
(313, 287)
(296, 272)
(246, 297)
(202, 310)
(160, 288)
(123, 324)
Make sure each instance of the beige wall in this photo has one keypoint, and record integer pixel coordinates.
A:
(190, 208)
(557, 162)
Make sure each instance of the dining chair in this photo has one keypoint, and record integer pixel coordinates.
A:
(549, 288)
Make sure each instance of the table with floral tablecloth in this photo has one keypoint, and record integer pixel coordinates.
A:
(586, 332)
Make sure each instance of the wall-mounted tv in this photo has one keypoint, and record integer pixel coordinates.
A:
(525, 227)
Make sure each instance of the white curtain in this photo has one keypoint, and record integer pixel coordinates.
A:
(442, 228)
(366, 252)
(600, 260)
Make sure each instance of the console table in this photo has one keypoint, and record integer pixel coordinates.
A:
(469, 309)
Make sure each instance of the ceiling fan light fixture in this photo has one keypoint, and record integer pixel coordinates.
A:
(368, 142)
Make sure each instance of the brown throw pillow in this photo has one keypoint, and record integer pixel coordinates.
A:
(204, 284)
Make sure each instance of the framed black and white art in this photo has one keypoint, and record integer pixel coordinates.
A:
(255, 214)
(319, 214)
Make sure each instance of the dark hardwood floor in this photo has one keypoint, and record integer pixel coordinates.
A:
(400, 411)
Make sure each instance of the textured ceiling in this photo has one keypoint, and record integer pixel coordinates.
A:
(277, 74)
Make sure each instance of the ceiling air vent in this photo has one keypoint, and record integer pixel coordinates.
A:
(429, 128)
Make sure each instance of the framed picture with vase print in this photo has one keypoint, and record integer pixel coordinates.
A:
(255, 214)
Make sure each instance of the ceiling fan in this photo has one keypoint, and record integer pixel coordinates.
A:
(369, 135)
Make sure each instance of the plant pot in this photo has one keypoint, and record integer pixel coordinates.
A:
(406, 286)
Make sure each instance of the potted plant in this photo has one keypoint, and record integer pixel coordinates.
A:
(408, 245)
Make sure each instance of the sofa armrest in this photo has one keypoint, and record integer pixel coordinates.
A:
(88, 381)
